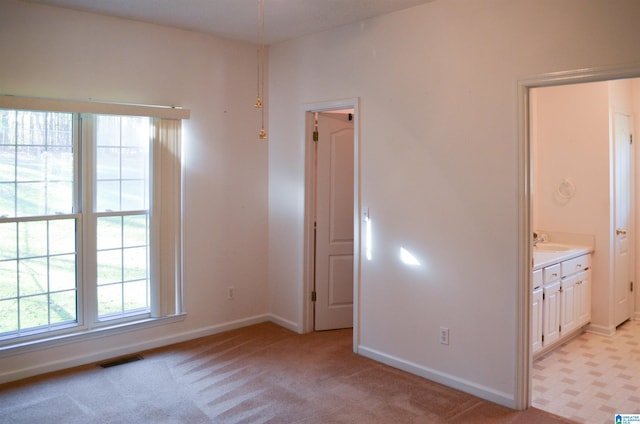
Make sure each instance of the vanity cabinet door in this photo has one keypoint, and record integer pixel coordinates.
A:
(551, 313)
(536, 319)
(583, 298)
(568, 305)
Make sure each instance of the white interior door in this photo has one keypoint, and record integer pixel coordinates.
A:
(334, 222)
(623, 230)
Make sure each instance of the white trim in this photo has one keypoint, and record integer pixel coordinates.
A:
(282, 322)
(84, 335)
(522, 395)
(524, 353)
(101, 108)
(602, 330)
(307, 307)
(306, 310)
(481, 391)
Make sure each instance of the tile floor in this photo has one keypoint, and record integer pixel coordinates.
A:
(591, 378)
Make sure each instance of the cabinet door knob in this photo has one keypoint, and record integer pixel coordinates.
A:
(621, 232)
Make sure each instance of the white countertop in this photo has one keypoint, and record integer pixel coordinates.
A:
(545, 254)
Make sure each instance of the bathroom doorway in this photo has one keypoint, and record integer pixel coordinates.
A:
(592, 175)
(582, 179)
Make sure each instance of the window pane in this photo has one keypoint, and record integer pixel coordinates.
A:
(32, 274)
(109, 234)
(30, 199)
(136, 131)
(8, 316)
(31, 164)
(7, 163)
(63, 307)
(133, 195)
(108, 163)
(60, 163)
(135, 263)
(33, 238)
(8, 279)
(30, 128)
(110, 299)
(62, 272)
(7, 199)
(134, 162)
(59, 198)
(34, 311)
(62, 236)
(135, 231)
(108, 196)
(109, 266)
(7, 126)
(8, 240)
(135, 295)
(108, 130)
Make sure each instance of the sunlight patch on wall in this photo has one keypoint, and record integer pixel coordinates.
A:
(407, 258)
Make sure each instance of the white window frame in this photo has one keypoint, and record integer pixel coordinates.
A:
(165, 281)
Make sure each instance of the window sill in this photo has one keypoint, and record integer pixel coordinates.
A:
(86, 335)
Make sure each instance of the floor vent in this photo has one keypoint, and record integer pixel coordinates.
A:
(121, 361)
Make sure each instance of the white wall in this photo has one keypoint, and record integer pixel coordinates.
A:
(438, 162)
(57, 53)
(572, 142)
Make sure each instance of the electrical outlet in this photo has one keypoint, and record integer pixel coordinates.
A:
(444, 335)
(230, 293)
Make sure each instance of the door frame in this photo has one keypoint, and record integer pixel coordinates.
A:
(524, 240)
(309, 206)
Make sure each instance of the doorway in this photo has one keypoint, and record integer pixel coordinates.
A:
(332, 228)
(528, 191)
(333, 177)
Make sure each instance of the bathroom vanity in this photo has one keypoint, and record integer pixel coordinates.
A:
(561, 301)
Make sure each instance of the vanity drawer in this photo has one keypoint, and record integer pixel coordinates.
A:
(575, 265)
(537, 278)
(551, 273)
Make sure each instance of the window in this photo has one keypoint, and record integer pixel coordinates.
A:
(82, 219)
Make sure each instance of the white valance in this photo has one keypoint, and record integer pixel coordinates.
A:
(102, 108)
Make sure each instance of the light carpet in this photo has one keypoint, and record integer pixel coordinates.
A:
(258, 374)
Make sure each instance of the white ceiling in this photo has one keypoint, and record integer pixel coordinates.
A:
(237, 19)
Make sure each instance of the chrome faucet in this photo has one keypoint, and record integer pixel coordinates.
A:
(539, 239)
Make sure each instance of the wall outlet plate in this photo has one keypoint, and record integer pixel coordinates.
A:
(444, 335)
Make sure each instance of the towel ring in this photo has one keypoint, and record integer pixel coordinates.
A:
(566, 189)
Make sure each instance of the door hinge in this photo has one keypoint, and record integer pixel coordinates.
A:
(316, 135)
(313, 296)
(630, 285)
(630, 138)
(543, 337)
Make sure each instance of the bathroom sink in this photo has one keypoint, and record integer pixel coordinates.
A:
(552, 247)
